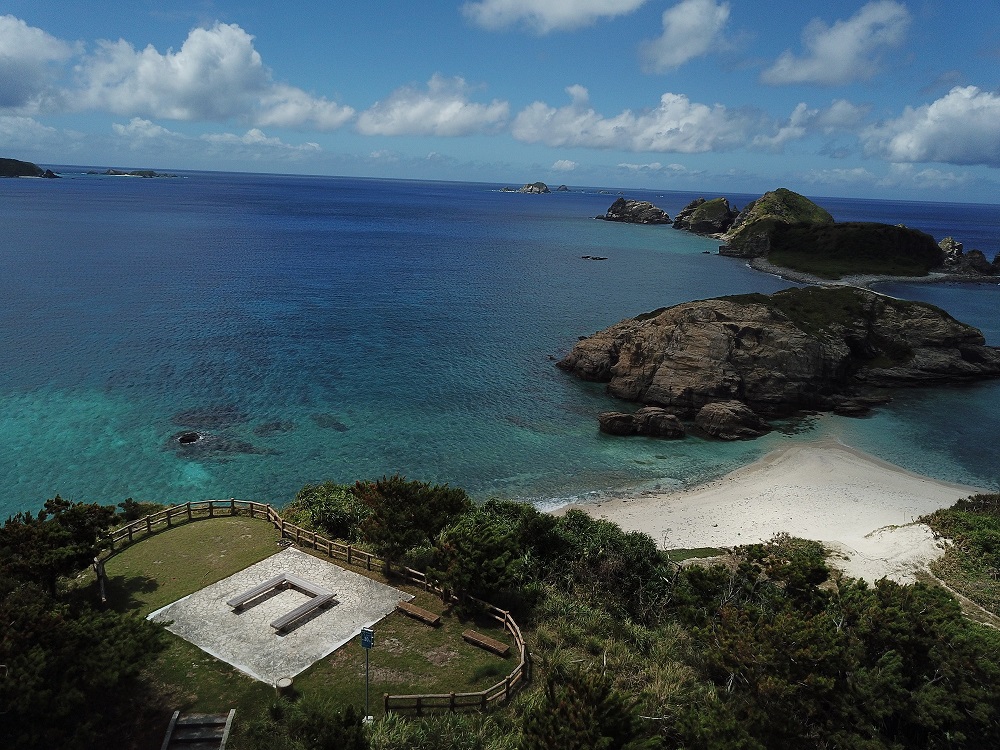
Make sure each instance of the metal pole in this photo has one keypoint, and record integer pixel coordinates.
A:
(366, 685)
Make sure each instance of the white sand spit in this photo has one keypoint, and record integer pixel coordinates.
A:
(863, 509)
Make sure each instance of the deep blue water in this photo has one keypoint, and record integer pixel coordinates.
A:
(334, 328)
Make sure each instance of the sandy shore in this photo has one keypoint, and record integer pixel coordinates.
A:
(863, 509)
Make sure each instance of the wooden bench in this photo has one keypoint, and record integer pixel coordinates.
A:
(302, 610)
(419, 613)
(484, 641)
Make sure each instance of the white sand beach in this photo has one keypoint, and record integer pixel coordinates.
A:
(863, 509)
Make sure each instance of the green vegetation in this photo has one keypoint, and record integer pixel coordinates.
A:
(177, 562)
(710, 210)
(750, 234)
(761, 648)
(835, 250)
(70, 674)
(787, 206)
(332, 509)
(971, 564)
(15, 168)
(405, 516)
(837, 312)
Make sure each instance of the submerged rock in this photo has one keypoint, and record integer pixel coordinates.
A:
(273, 428)
(218, 416)
(210, 446)
(649, 420)
(329, 422)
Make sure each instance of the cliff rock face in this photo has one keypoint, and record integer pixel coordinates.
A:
(749, 236)
(800, 349)
(635, 212)
(706, 217)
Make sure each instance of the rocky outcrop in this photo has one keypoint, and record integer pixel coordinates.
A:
(730, 420)
(650, 420)
(800, 349)
(750, 234)
(562, 189)
(535, 187)
(706, 217)
(635, 212)
(957, 261)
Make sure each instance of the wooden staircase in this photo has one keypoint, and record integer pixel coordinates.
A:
(198, 731)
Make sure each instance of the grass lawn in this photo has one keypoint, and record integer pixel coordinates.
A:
(408, 657)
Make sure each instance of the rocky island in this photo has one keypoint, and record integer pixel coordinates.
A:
(635, 212)
(147, 173)
(17, 168)
(712, 217)
(731, 364)
(786, 233)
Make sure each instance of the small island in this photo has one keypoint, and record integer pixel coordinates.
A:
(785, 233)
(17, 168)
(635, 212)
(732, 364)
(147, 173)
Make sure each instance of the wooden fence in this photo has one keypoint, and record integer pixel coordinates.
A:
(418, 704)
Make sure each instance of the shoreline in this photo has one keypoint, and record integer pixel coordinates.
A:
(863, 509)
(866, 281)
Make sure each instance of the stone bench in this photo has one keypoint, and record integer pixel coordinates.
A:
(302, 610)
(484, 641)
(418, 613)
(280, 581)
(319, 597)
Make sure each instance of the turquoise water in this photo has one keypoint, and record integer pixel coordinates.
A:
(329, 328)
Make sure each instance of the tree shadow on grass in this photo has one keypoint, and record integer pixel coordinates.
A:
(123, 592)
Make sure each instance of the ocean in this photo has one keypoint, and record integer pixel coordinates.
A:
(323, 328)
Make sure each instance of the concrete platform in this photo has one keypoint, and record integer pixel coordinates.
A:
(245, 639)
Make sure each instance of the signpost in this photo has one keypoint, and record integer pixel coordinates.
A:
(367, 641)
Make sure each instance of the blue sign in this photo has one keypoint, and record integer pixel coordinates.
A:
(367, 637)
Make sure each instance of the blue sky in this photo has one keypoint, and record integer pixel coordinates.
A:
(881, 98)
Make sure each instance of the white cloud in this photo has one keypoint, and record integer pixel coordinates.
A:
(847, 51)
(675, 125)
(256, 137)
(840, 116)
(962, 127)
(545, 15)
(216, 75)
(564, 165)
(27, 55)
(443, 109)
(899, 176)
(144, 129)
(840, 176)
(21, 132)
(929, 178)
(690, 29)
(653, 166)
